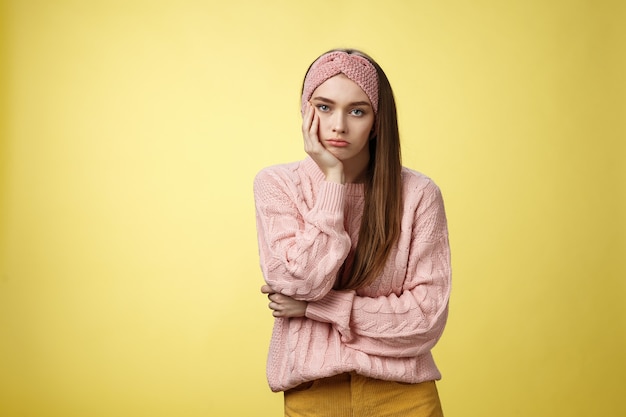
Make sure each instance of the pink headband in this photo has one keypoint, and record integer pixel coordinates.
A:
(355, 67)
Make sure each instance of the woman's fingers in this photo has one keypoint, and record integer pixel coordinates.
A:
(266, 289)
(276, 307)
(315, 123)
(282, 305)
(310, 125)
(307, 119)
(277, 298)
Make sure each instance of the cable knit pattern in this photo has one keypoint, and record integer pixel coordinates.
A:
(307, 228)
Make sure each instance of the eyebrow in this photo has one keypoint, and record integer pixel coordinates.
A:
(329, 101)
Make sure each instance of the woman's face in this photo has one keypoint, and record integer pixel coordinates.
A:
(346, 118)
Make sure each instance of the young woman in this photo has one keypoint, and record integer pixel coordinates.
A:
(354, 251)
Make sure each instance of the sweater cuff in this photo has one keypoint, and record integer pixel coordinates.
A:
(334, 308)
(331, 197)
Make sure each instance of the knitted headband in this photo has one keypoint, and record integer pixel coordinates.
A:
(355, 67)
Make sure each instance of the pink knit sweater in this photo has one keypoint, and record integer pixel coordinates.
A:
(306, 228)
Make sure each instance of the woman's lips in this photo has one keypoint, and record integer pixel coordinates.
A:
(338, 143)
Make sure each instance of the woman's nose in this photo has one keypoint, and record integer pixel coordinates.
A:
(339, 123)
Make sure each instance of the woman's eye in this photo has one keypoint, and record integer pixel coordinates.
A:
(323, 107)
(358, 112)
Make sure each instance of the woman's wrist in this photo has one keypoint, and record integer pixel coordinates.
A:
(335, 175)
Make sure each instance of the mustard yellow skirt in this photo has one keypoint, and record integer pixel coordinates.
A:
(352, 395)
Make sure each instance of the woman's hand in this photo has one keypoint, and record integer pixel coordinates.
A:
(282, 305)
(328, 163)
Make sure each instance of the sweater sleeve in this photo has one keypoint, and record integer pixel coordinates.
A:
(408, 323)
(301, 249)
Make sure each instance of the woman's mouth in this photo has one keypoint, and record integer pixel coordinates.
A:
(338, 143)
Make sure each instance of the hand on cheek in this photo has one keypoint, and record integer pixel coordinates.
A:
(328, 163)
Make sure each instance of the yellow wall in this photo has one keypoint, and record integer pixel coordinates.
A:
(131, 132)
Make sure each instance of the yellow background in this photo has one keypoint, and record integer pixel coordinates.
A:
(132, 130)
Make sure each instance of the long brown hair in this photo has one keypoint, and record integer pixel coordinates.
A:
(382, 212)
